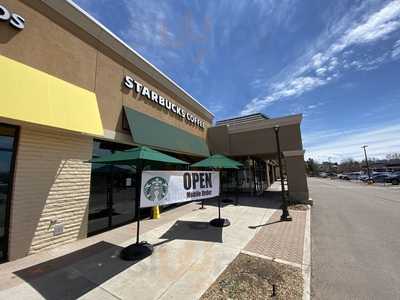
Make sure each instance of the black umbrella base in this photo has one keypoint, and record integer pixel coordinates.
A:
(137, 251)
(286, 218)
(220, 222)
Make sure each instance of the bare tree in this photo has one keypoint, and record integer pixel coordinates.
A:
(349, 165)
(393, 156)
(311, 167)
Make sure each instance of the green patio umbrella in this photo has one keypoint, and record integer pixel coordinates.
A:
(139, 157)
(134, 155)
(218, 162)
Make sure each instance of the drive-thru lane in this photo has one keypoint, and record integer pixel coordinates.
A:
(355, 232)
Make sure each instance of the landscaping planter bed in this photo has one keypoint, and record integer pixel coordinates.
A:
(249, 277)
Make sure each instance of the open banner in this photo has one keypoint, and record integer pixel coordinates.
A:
(167, 187)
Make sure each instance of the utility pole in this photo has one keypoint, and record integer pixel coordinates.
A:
(285, 212)
(366, 161)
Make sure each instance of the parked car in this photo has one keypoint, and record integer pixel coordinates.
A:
(344, 176)
(332, 175)
(354, 175)
(393, 178)
(364, 177)
(380, 177)
(323, 175)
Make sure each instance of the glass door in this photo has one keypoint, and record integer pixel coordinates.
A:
(100, 198)
(112, 191)
(8, 143)
(123, 194)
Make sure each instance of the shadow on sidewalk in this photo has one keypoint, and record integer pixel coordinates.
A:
(193, 231)
(266, 224)
(269, 199)
(75, 274)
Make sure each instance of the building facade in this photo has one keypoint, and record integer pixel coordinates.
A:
(71, 90)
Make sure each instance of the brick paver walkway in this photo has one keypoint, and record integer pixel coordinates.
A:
(282, 240)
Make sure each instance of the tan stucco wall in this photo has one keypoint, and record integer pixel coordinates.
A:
(51, 182)
(255, 142)
(296, 178)
(218, 140)
(58, 47)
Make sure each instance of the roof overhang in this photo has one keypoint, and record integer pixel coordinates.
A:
(256, 137)
(265, 124)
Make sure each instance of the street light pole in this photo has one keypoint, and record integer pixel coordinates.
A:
(285, 212)
(366, 161)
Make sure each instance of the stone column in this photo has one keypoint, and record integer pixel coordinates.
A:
(296, 176)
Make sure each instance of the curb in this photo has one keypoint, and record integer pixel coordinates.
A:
(278, 260)
(306, 266)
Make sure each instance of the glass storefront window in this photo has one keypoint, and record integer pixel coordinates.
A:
(113, 188)
(112, 192)
(7, 156)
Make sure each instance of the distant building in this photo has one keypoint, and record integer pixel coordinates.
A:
(327, 166)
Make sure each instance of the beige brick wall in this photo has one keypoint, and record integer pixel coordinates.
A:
(52, 182)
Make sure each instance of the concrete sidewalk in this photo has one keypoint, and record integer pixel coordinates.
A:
(189, 255)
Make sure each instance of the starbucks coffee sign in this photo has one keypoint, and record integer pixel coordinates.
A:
(167, 187)
(13, 19)
(151, 95)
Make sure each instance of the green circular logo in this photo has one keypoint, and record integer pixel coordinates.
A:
(155, 189)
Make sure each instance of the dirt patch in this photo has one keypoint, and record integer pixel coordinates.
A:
(249, 277)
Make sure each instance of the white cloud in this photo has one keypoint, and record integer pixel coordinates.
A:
(318, 60)
(326, 64)
(396, 50)
(377, 26)
(291, 88)
(315, 105)
(345, 144)
(320, 71)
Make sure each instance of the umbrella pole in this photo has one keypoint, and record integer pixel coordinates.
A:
(218, 222)
(237, 188)
(138, 250)
(137, 203)
(202, 204)
(219, 196)
(219, 207)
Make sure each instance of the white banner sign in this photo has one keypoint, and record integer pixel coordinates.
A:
(167, 187)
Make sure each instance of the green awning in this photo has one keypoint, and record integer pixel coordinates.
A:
(151, 132)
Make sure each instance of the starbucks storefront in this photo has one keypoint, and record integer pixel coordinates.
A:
(79, 92)
(64, 105)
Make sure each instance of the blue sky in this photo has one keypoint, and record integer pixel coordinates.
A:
(337, 62)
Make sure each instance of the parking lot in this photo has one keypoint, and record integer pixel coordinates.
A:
(388, 176)
(355, 240)
(350, 183)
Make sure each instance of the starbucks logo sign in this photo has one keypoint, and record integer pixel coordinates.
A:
(155, 189)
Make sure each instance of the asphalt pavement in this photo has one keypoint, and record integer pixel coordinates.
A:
(355, 231)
